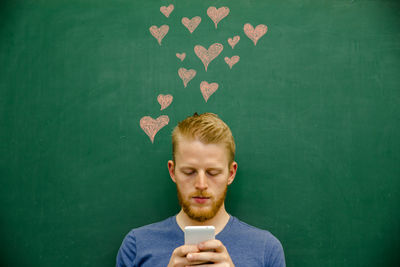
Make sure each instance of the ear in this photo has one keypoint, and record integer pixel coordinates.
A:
(232, 172)
(171, 170)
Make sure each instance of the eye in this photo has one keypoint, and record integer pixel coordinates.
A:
(213, 173)
(188, 172)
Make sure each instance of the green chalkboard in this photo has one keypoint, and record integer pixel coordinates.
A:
(314, 106)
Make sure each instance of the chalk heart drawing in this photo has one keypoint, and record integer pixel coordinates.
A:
(167, 10)
(232, 61)
(255, 34)
(206, 56)
(186, 75)
(181, 56)
(159, 33)
(164, 100)
(208, 89)
(217, 15)
(234, 41)
(151, 126)
(191, 24)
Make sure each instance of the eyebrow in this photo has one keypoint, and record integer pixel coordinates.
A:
(186, 167)
(208, 169)
(214, 169)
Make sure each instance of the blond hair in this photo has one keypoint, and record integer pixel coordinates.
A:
(207, 128)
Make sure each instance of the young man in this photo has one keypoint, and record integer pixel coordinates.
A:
(202, 168)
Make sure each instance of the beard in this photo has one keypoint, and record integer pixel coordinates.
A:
(201, 214)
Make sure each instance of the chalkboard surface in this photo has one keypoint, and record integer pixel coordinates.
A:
(312, 98)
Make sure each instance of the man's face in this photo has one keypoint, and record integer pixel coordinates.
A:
(202, 174)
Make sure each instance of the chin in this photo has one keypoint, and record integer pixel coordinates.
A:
(201, 218)
(200, 214)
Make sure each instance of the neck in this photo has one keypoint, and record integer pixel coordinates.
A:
(218, 221)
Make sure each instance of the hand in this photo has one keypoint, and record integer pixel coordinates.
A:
(212, 253)
(179, 256)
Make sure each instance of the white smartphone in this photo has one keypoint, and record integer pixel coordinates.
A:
(198, 234)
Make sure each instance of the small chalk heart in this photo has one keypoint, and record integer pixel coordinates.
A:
(181, 56)
(151, 126)
(234, 41)
(255, 34)
(186, 75)
(159, 33)
(164, 100)
(206, 56)
(217, 14)
(208, 89)
(167, 10)
(191, 24)
(232, 61)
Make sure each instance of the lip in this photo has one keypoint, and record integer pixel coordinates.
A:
(201, 200)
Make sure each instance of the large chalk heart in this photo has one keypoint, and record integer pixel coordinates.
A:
(191, 24)
(164, 100)
(217, 14)
(232, 61)
(234, 41)
(159, 33)
(255, 34)
(206, 56)
(151, 126)
(208, 89)
(186, 75)
(167, 10)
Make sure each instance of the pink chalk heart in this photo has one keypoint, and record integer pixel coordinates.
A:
(181, 56)
(151, 126)
(167, 10)
(186, 75)
(217, 14)
(164, 100)
(232, 61)
(206, 56)
(159, 33)
(255, 34)
(234, 41)
(191, 24)
(208, 89)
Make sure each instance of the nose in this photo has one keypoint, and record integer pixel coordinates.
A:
(201, 181)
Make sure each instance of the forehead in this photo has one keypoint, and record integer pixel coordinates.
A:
(196, 152)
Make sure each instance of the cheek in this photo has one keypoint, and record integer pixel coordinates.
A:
(184, 185)
(222, 185)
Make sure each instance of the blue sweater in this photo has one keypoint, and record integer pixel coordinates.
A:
(152, 245)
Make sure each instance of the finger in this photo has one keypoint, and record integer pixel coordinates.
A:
(199, 263)
(182, 251)
(215, 245)
(202, 265)
(207, 257)
(206, 265)
(181, 261)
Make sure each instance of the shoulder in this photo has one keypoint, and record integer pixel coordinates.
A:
(157, 228)
(140, 238)
(265, 242)
(253, 232)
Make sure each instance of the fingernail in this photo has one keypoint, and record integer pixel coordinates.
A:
(189, 256)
